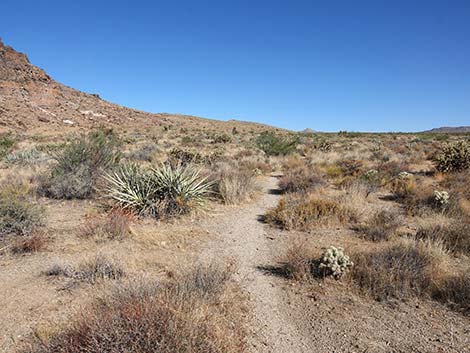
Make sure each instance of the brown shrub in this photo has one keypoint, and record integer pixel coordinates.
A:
(399, 270)
(300, 180)
(28, 244)
(302, 212)
(234, 185)
(196, 312)
(114, 225)
(382, 225)
(90, 271)
(455, 291)
(455, 236)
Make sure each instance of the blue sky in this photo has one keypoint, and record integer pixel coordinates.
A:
(376, 65)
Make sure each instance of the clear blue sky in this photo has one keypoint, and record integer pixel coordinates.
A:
(376, 65)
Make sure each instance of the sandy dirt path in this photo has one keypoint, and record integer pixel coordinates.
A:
(240, 235)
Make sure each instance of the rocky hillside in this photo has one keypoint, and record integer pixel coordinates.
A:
(450, 129)
(30, 100)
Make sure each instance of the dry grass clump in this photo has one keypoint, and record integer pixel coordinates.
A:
(455, 291)
(303, 212)
(234, 185)
(90, 271)
(300, 179)
(400, 269)
(114, 225)
(455, 236)
(195, 312)
(382, 225)
(28, 244)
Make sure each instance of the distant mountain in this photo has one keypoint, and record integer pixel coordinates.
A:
(450, 129)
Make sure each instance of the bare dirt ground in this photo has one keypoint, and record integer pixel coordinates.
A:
(241, 235)
(323, 317)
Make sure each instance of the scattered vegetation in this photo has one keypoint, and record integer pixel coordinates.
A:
(194, 312)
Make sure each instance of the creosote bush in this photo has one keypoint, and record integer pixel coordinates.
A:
(6, 145)
(303, 212)
(454, 157)
(276, 145)
(195, 312)
(158, 192)
(79, 166)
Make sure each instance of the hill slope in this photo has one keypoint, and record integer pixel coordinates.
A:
(450, 129)
(31, 100)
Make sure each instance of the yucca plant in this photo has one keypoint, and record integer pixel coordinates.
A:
(160, 192)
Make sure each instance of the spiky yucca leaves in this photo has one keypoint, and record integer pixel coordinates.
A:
(160, 192)
(181, 187)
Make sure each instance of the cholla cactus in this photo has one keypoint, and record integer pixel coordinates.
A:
(371, 173)
(441, 197)
(454, 157)
(405, 175)
(335, 262)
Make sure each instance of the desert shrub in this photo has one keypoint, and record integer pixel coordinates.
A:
(454, 157)
(6, 145)
(26, 157)
(193, 313)
(455, 291)
(234, 185)
(276, 145)
(114, 225)
(403, 185)
(399, 270)
(300, 179)
(334, 262)
(28, 244)
(303, 212)
(178, 156)
(79, 166)
(222, 138)
(90, 271)
(144, 153)
(350, 167)
(163, 192)
(382, 225)
(18, 216)
(455, 236)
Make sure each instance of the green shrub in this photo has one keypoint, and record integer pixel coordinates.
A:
(454, 157)
(166, 191)
(275, 145)
(26, 157)
(79, 166)
(6, 144)
(18, 216)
